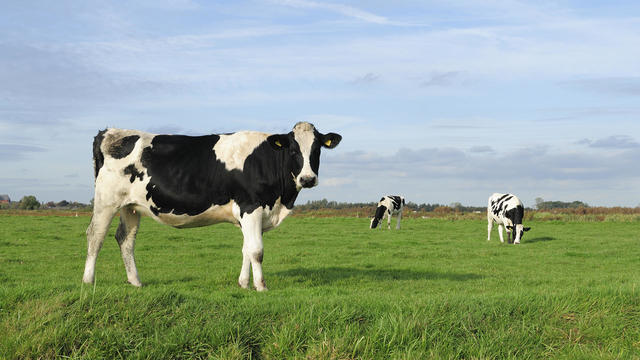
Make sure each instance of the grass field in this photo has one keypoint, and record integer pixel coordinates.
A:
(435, 289)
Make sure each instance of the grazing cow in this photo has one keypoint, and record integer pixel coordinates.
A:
(250, 179)
(387, 205)
(507, 211)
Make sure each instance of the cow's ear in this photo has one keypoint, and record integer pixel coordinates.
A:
(331, 140)
(279, 141)
(526, 229)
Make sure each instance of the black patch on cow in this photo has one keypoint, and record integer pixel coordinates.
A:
(123, 147)
(314, 155)
(396, 200)
(133, 171)
(380, 212)
(260, 256)
(98, 156)
(187, 178)
(515, 214)
(502, 197)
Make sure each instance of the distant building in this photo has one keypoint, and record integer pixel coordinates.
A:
(5, 199)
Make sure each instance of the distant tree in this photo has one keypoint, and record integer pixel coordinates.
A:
(29, 202)
(456, 206)
(63, 203)
(548, 205)
(539, 202)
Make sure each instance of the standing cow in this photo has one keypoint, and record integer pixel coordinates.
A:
(250, 179)
(507, 211)
(387, 205)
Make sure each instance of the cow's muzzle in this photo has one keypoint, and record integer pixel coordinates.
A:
(308, 181)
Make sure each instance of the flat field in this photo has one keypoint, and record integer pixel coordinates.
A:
(435, 289)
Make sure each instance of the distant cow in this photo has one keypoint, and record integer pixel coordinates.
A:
(387, 205)
(507, 211)
(250, 179)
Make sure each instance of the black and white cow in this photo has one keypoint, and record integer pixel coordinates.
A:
(507, 211)
(250, 179)
(387, 205)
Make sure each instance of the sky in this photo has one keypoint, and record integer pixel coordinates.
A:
(439, 101)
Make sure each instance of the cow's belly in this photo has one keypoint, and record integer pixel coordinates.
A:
(214, 215)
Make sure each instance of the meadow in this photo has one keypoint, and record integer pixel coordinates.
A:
(337, 290)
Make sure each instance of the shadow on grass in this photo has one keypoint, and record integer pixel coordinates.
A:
(538, 239)
(168, 281)
(328, 275)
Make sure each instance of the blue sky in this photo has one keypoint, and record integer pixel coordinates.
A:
(440, 101)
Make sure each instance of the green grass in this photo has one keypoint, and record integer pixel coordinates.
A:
(435, 289)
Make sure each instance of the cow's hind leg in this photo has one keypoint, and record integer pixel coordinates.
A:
(399, 220)
(126, 238)
(500, 232)
(252, 250)
(489, 228)
(96, 232)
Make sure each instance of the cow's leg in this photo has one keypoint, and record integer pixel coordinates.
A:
(389, 220)
(126, 237)
(252, 250)
(500, 232)
(96, 232)
(489, 228)
(399, 219)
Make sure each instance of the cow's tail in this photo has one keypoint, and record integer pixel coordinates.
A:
(98, 156)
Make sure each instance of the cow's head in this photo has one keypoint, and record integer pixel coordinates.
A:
(303, 145)
(518, 232)
(380, 210)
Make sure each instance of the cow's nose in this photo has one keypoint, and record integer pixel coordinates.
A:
(308, 181)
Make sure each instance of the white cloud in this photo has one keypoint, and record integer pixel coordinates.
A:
(332, 182)
(345, 10)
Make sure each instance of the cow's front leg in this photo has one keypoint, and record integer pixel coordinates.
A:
(489, 228)
(500, 227)
(389, 221)
(252, 250)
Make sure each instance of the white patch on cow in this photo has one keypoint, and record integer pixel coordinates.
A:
(272, 217)
(233, 149)
(304, 135)
(213, 215)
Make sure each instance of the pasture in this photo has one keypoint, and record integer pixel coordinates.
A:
(337, 290)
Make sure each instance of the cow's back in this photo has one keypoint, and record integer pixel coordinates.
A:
(505, 206)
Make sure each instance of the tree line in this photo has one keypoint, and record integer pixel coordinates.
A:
(30, 202)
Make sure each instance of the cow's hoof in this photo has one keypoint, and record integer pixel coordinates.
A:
(243, 284)
(261, 286)
(135, 283)
(516, 243)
